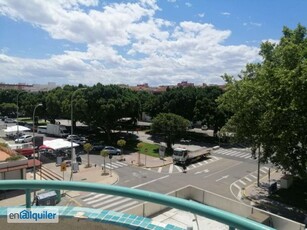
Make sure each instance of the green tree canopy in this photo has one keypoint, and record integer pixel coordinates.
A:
(199, 104)
(105, 105)
(170, 126)
(269, 102)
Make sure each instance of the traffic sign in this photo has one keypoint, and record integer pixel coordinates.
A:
(63, 166)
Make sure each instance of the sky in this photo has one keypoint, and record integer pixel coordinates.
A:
(159, 42)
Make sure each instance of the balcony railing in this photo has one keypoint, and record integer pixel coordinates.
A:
(232, 220)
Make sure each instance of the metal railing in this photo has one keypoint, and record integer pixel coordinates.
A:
(232, 220)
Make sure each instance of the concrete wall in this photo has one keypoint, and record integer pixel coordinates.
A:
(211, 199)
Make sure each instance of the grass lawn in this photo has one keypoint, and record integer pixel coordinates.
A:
(152, 149)
(295, 196)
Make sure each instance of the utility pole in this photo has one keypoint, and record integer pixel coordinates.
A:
(258, 173)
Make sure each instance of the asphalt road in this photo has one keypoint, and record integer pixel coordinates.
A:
(225, 173)
(219, 175)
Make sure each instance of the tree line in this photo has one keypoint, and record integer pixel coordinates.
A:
(103, 106)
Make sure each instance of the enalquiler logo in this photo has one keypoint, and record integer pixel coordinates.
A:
(33, 215)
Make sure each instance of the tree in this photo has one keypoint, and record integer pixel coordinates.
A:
(106, 105)
(206, 108)
(8, 109)
(121, 143)
(269, 102)
(140, 147)
(87, 148)
(104, 154)
(170, 126)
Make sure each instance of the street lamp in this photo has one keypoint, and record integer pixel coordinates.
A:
(18, 111)
(73, 157)
(33, 141)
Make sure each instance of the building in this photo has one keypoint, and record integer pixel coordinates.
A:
(185, 84)
(29, 88)
(12, 169)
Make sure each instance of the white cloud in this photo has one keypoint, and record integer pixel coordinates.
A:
(225, 13)
(171, 1)
(253, 24)
(274, 41)
(126, 43)
(201, 15)
(188, 4)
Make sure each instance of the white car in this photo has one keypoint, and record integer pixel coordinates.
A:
(72, 137)
(112, 151)
(24, 139)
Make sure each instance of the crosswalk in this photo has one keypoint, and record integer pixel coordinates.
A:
(109, 202)
(114, 165)
(177, 169)
(235, 152)
(237, 187)
(115, 203)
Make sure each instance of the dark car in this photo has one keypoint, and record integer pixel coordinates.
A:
(98, 147)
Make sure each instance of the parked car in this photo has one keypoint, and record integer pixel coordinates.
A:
(204, 127)
(72, 137)
(80, 141)
(24, 139)
(77, 139)
(3, 118)
(9, 120)
(97, 147)
(112, 150)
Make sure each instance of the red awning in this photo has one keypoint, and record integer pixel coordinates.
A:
(44, 147)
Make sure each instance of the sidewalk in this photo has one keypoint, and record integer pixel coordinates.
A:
(259, 197)
(146, 161)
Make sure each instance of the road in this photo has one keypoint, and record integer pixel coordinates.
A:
(226, 173)
(221, 175)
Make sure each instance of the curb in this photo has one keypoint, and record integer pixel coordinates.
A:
(156, 166)
(253, 184)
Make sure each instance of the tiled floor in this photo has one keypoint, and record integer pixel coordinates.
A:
(185, 220)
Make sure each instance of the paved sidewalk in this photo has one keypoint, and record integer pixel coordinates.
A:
(259, 197)
(141, 160)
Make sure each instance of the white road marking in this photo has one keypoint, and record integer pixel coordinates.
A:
(93, 197)
(171, 168)
(242, 182)
(178, 168)
(107, 198)
(246, 178)
(237, 186)
(121, 207)
(253, 176)
(149, 182)
(223, 177)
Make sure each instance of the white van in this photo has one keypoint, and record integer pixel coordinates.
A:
(42, 129)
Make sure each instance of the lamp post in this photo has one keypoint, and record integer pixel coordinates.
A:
(18, 111)
(33, 141)
(73, 157)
